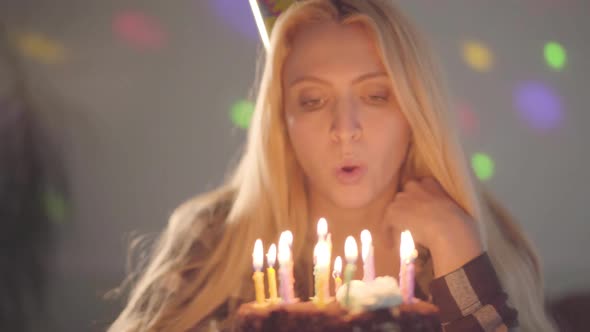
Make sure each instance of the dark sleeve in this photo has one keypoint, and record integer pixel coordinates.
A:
(471, 299)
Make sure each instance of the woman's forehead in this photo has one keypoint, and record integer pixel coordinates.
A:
(331, 46)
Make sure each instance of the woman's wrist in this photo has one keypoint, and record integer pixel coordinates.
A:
(455, 246)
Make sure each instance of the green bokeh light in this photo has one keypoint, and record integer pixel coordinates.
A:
(55, 206)
(483, 166)
(555, 55)
(241, 113)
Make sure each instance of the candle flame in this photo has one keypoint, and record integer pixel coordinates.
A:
(350, 250)
(366, 243)
(271, 256)
(260, 23)
(287, 237)
(322, 228)
(257, 255)
(322, 255)
(284, 255)
(337, 266)
(407, 249)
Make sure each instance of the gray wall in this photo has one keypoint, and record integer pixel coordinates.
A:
(143, 125)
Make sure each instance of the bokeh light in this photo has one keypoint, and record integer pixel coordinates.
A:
(40, 48)
(139, 30)
(468, 120)
(236, 14)
(483, 166)
(55, 206)
(478, 56)
(241, 113)
(555, 55)
(538, 105)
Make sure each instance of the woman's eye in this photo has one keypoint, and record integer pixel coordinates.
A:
(312, 104)
(379, 99)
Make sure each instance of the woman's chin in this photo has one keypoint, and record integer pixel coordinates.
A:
(351, 201)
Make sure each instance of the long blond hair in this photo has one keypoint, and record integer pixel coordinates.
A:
(186, 281)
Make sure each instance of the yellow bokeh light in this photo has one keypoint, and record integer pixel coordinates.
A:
(478, 56)
(40, 48)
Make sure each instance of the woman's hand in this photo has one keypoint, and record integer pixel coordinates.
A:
(436, 222)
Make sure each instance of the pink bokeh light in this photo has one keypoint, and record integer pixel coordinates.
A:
(468, 120)
(139, 30)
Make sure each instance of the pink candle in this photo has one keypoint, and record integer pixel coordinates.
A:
(286, 281)
(406, 272)
(368, 255)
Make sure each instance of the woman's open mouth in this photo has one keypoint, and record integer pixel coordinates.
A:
(350, 174)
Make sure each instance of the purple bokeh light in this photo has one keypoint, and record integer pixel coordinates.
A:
(538, 105)
(238, 15)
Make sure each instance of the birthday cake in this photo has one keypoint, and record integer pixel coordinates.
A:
(373, 306)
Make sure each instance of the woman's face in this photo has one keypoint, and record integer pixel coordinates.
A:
(345, 128)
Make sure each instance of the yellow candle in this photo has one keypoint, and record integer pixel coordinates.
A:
(258, 276)
(337, 273)
(322, 264)
(271, 257)
(337, 284)
(320, 300)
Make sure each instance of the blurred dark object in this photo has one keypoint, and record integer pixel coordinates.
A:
(28, 204)
(572, 312)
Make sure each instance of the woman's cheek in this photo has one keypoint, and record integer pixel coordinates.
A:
(290, 121)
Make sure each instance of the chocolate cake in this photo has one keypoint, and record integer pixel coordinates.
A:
(306, 316)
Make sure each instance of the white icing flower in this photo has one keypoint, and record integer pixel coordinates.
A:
(383, 292)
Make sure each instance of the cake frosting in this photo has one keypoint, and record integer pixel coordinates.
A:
(380, 293)
(374, 306)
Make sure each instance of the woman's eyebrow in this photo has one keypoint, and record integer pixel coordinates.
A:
(308, 78)
(370, 75)
(363, 77)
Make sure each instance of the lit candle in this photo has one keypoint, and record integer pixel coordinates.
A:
(406, 272)
(351, 254)
(286, 268)
(321, 277)
(324, 236)
(336, 274)
(287, 236)
(368, 255)
(258, 276)
(322, 229)
(316, 271)
(271, 257)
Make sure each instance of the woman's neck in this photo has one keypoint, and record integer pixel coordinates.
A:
(343, 222)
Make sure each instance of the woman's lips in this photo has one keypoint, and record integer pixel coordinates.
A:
(350, 174)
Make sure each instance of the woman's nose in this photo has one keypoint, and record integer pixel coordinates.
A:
(346, 125)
